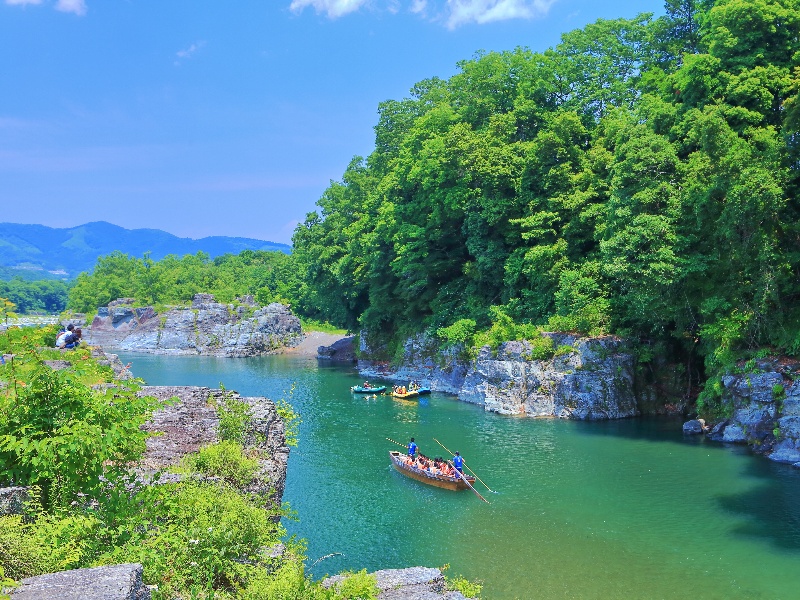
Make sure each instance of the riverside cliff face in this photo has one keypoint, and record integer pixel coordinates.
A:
(765, 410)
(587, 378)
(207, 327)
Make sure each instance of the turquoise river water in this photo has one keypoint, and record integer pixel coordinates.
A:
(627, 509)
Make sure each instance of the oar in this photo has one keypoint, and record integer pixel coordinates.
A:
(464, 479)
(398, 443)
(465, 464)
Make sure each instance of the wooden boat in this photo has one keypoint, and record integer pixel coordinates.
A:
(357, 389)
(406, 396)
(442, 481)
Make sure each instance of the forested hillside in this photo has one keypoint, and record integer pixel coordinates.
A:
(640, 178)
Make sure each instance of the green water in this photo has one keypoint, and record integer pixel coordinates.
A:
(625, 509)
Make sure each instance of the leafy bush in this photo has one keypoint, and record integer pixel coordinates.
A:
(195, 535)
(356, 586)
(234, 415)
(469, 589)
(460, 332)
(291, 420)
(542, 347)
(56, 431)
(226, 460)
(20, 554)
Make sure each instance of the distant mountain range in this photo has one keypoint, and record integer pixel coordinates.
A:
(63, 253)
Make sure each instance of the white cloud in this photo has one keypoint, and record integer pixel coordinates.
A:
(453, 13)
(74, 6)
(187, 53)
(333, 8)
(419, 6)
(462, 12)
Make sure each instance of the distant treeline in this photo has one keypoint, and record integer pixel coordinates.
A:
(268, 276)
(44, 295)
(640, 178)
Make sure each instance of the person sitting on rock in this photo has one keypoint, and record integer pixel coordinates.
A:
(74, 339)
(63, 335)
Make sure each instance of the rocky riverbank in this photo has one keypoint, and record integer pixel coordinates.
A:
(763, 401)
(584, 378)
(206, 327)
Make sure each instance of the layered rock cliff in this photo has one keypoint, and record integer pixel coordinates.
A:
(207, 327)
(764, 404)
(191, 420)
(585, 378)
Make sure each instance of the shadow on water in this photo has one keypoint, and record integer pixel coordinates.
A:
(771, 509)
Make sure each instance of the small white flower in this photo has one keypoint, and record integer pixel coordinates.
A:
(194, 541)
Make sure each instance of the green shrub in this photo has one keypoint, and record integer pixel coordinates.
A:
(291, 420)
(57, 430)
(226, 460)
(356, 586)
(288, 582)
(20, 554)
(469, 589)
(542, 347)
(460, 332)
(234, 416)
(195, 535)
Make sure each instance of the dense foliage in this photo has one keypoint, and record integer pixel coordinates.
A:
(74, 436)
(639, 178)
(269, 276)
(41, 295)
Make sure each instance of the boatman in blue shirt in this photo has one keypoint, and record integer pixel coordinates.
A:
(412, 448)
(458, 463)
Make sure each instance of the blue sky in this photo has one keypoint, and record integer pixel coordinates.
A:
(225, 118)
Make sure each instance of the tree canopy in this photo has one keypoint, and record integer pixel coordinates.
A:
(640, 178)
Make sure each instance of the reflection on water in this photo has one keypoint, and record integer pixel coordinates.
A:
(625, 509)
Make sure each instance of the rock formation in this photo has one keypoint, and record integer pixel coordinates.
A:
(193, 421)
(207, 327)
(341, 350)
(586, 378)
(764, 403)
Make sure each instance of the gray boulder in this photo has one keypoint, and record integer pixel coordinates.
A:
(118, 582)
(341, 350)
(12, 500)
(694, 427)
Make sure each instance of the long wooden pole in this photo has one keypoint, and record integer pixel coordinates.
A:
(398, 443)
(464, 479)
(465, 464)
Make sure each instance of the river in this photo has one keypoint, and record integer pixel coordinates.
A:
(626, 509)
